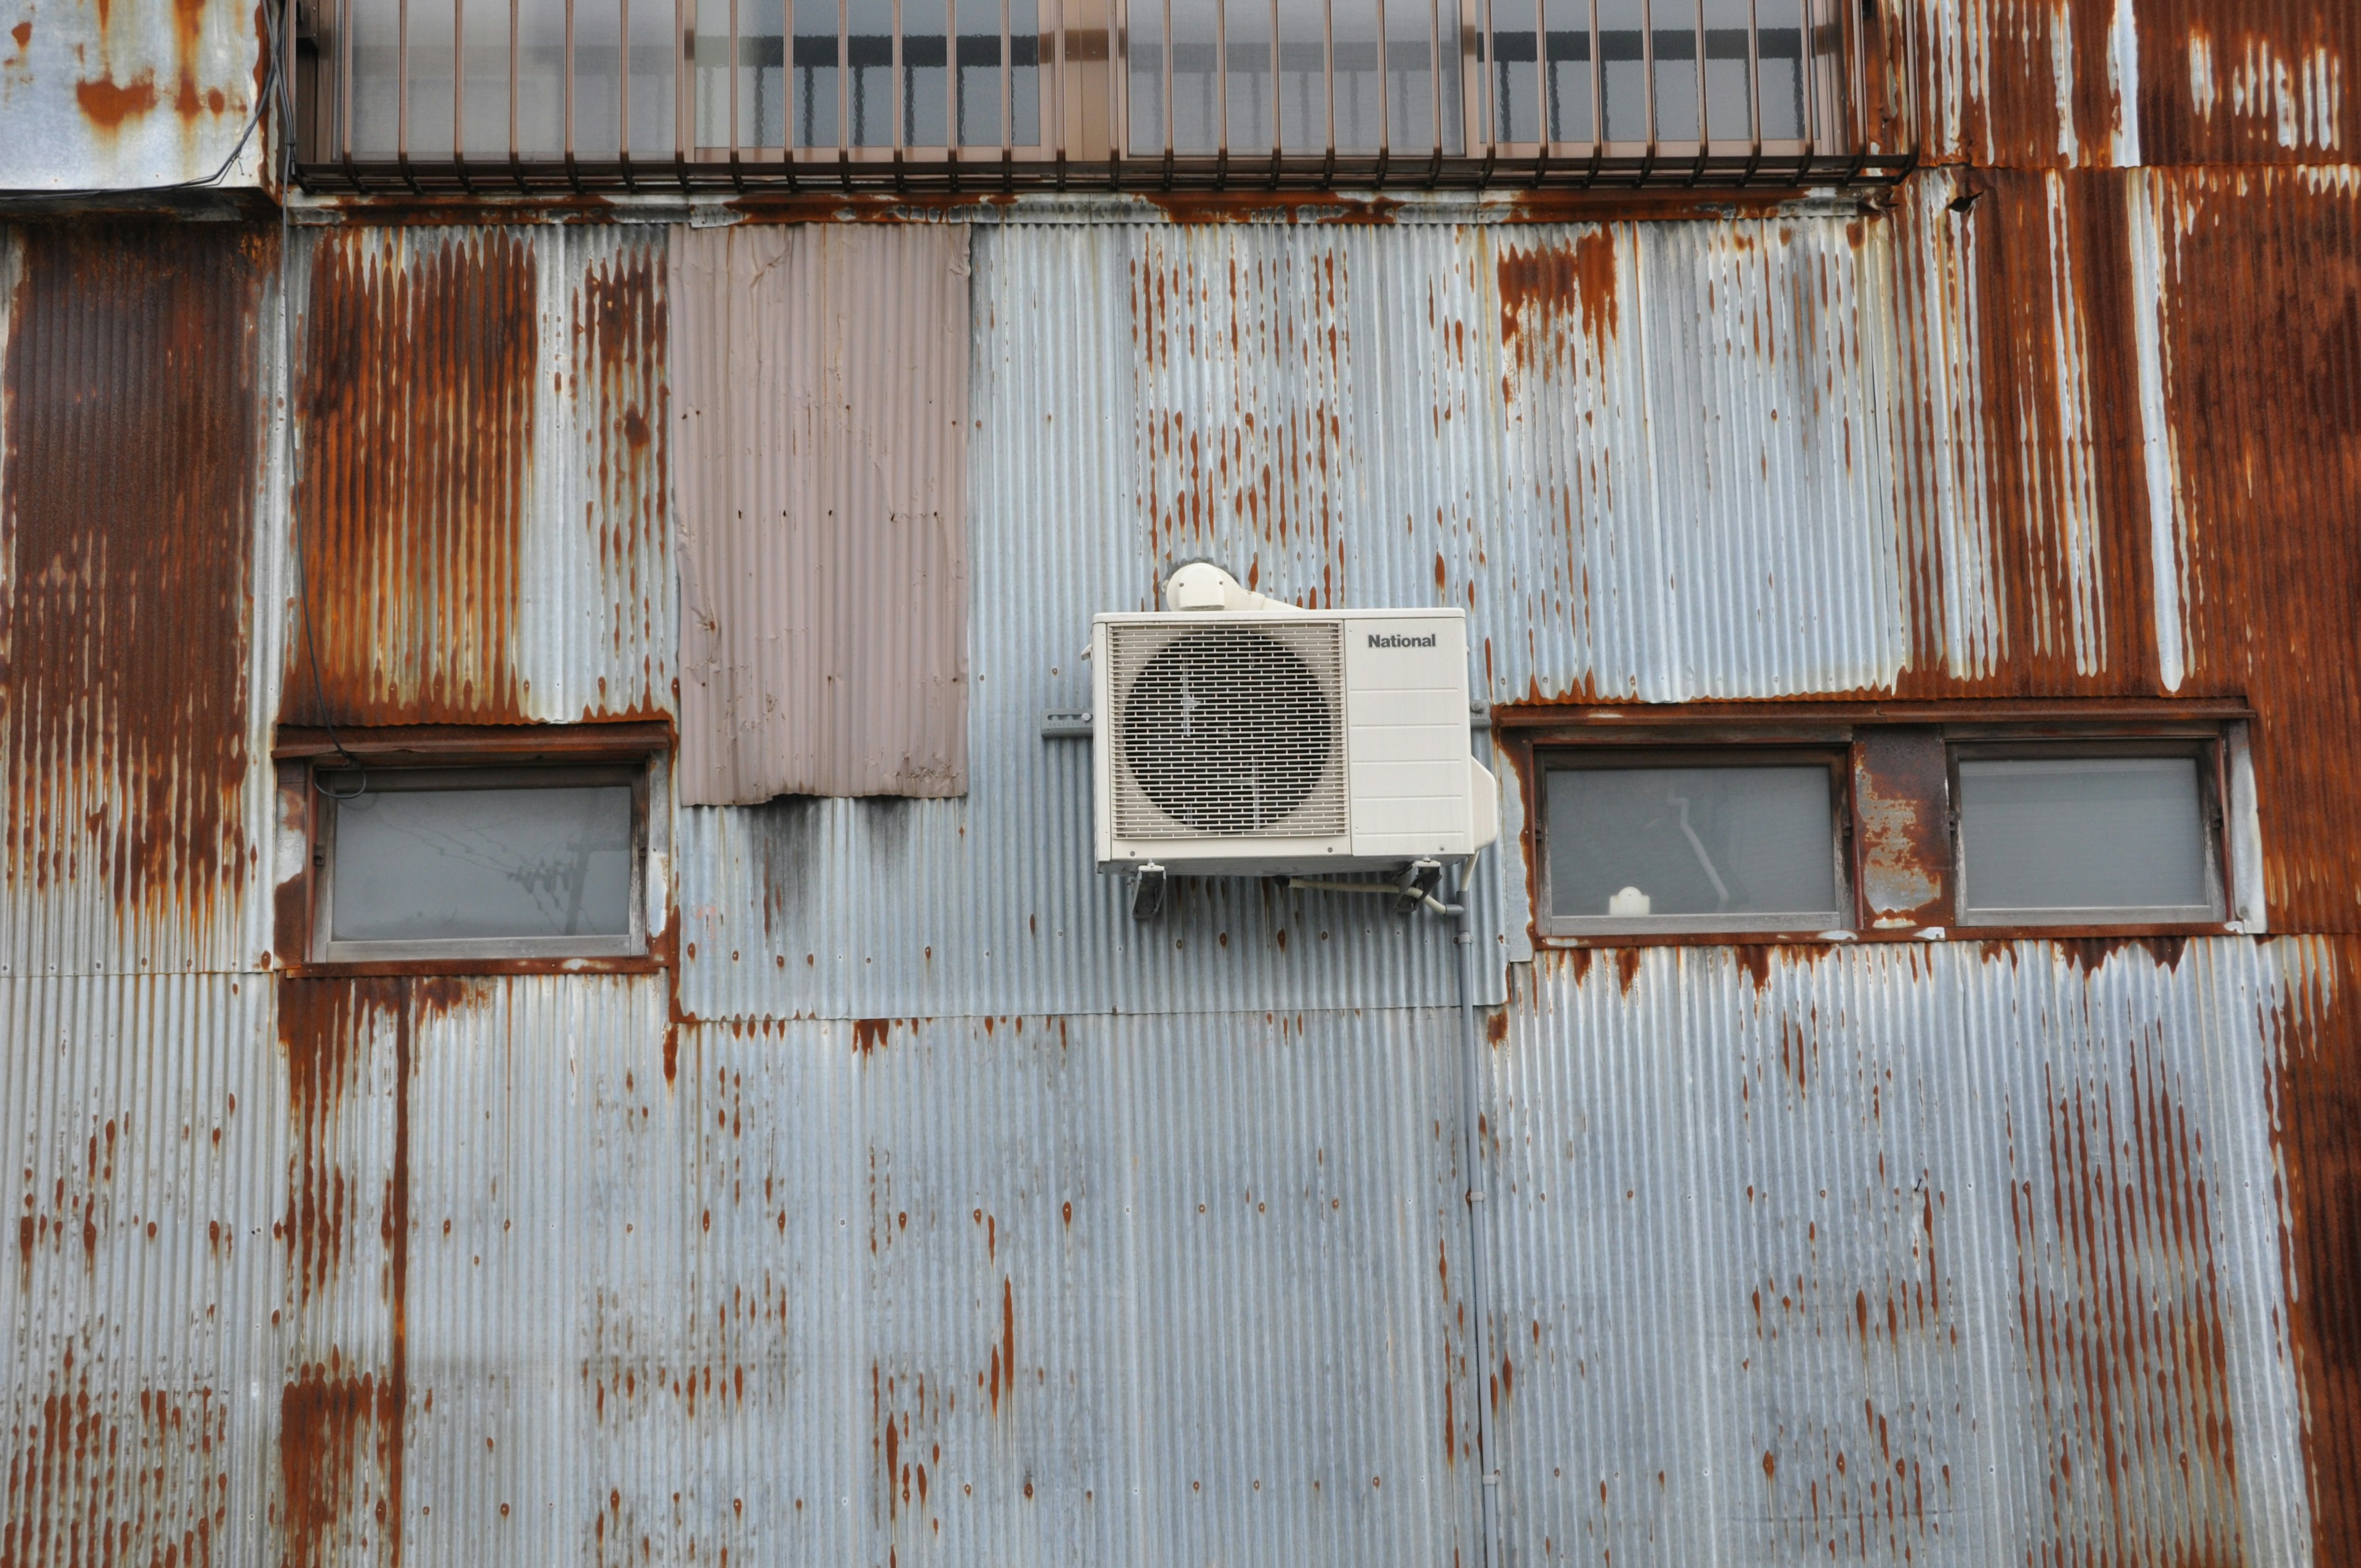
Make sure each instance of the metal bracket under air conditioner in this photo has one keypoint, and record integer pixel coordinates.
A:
(1417, 885)
(1147, 892)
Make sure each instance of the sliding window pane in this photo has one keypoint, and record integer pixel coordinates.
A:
(869, 55)
(471, 865)
(1635, 844)
(1302, 77)
(1623, 48)
(1728, 87)
(2083, 839)
(654, 129)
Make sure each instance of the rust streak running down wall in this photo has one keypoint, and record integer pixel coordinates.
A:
(414, 394)
(2261, 365)
(132, 416)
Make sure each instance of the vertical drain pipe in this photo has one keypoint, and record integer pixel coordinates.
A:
(1471, 1095)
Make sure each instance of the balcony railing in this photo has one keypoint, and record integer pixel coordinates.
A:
(523, 96)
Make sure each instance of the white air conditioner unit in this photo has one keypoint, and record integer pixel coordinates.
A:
(1238, 736)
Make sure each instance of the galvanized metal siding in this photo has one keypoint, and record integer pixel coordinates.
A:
(823, 433)
(135, 542)
(1938, 1254)
(146, 1139)
(120, 97)
(481, 481)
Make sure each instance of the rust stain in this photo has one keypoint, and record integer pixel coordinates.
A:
(870, 1034)
(2061, 476)
(132, 450)
(414, 395)
(333, 1486)
(102, 1474)
(2317, 1095)
(2262, 383)
(23, 33)
(2118, 1302)
(2248, 80)
(620, 325)
(107, 103)
(339, 1436)
(1547, 289)
(1901, 780)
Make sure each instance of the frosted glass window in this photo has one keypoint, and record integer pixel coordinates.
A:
(461, 865)
(1713, 847)
(2083, 838)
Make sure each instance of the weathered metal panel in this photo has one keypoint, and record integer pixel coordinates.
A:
(2256, 315)
(481, 483)
(2092, 83)
(824, 556)
(2248, 81)
(134, 538)
(1938, 1253)
(119, 97)
(144, 1134)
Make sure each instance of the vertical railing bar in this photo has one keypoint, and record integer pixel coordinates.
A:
(1753, 86)
(1705, 120)
(569, 82)
(1007, 88)
(345, 91)
(1221, 86)
(1648, 84)
(733, 62)
(900, 109)
(1328, 87)
(1168, 88)
(1542, 127)
(514, 7)
(1385, 97)
(1597, 93)
(1278, 103)
(1857, 94)
(681, 47)
(459, 86)
(1490, 92)
(623, 87)
(1490, 64)
(1434, 85)
(844, 86)
(1053, 124)
(1809, 76)
(1118, 54)
(951, 83)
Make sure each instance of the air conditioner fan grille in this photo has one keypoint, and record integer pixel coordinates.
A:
(1228, 731)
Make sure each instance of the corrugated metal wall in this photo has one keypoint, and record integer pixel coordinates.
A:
(929, 1210)
(482, 484)
(823, 511)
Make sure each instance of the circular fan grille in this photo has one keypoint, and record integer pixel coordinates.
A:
(1228, 730)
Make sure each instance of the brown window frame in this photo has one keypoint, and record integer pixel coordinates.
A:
(311, 763)
(1734, 756)
(1902, 753)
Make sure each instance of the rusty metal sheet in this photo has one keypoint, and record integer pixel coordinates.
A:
(1937, 1254)
(2248, 81)
(481, 478)
(2034, 84)
(142, 1121)
(2258, 379)
(120, 97)
(133, 493)
(823, 433)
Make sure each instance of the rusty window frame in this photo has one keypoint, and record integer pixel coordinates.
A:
(331, 782)
(1619, 752)
(2208, 748)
